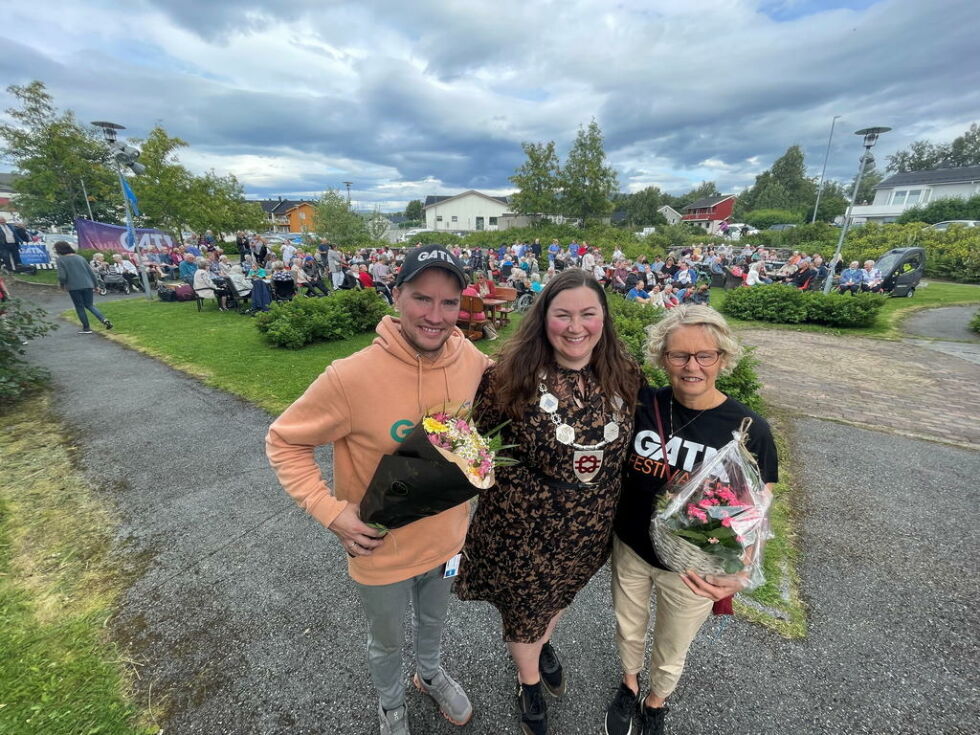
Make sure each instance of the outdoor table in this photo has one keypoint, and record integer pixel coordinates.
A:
(490, 307)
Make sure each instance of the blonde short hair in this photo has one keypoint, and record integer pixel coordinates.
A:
(694, 315)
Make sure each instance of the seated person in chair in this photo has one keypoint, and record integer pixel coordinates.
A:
(872, 277)
(488, 329)
(638, 293)
(203, 285)
(851, 279)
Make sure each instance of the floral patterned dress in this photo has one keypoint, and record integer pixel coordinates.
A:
(540, 534)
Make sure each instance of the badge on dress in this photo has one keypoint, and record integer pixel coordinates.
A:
(586, 464)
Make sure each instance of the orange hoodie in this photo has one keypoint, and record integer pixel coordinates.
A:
(366, 404)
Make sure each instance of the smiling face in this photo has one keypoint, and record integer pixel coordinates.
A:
(574, 326)
(693, 383)
(428, 307)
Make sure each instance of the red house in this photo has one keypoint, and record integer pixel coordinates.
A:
(710, 212)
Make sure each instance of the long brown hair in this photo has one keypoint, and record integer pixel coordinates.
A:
(529, 352)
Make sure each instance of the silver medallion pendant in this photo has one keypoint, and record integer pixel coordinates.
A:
(610, 431)
(586, 464)
(548, 403)
(565, 433)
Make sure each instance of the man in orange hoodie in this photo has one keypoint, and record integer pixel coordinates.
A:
(365, 405)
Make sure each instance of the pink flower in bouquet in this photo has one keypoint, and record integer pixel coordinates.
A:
(726, 522)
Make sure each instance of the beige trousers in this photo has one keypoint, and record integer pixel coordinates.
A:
(680, 614)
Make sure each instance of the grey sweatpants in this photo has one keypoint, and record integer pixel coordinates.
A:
(385, 606)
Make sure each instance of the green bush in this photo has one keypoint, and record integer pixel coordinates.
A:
(941, 210)
(789, 305)
(632, 320)
(302, 321)
(975, 322)
(19, 323)
(764, 218)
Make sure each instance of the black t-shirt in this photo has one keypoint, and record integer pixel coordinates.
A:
(645, 475)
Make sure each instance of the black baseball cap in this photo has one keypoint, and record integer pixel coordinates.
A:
(430, 256)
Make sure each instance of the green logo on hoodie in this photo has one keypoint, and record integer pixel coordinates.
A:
(401, 429)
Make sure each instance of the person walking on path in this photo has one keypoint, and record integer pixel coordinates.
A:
(423, 361)
(541, 533)
(77, 278)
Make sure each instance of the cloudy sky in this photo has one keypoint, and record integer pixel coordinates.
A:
(413, 97)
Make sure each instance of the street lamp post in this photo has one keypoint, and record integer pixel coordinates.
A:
(348, 184)
(823, 174)
(109, 130)
(870, 138)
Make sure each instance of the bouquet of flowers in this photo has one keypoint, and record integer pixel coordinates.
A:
(716, 521)
(444, 461)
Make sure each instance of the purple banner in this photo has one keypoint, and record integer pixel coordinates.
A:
(100, 236)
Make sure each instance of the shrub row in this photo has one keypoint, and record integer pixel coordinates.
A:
(789, 305)
(632, 320)
(19, 323)
(302, 321)
(975, 322)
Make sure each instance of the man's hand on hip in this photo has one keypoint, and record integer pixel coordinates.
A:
(358, 539)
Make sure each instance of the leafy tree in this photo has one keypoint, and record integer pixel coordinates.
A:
(701, 191)
(53, 153)
(833, 201)
(414, 210)
(218, 203)
(641, 207)
(334, 220)
(784, 186)
(922, 155)
(587, 181)
(869, 181)
(538, 180)
(164, 190)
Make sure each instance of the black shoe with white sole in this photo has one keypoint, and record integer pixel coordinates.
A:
(619, 714)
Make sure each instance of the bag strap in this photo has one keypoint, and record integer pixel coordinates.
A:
(663, 439)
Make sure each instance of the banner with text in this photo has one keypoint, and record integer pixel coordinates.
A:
(100, 236)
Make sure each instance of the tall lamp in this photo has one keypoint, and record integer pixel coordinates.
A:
(870, 138)
(126, 155)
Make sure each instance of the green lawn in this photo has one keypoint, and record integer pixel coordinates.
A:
(58, 588)
(937, 293)
(46, 276)
(225, 350)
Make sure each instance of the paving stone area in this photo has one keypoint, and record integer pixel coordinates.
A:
(895, 386)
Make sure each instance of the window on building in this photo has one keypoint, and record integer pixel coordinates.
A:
(914, 196)
(455, 218)
(493, 221)
(438, 218)
(898, 198)
(302, 215)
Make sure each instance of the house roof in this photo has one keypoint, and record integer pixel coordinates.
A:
(432, 200)
(962, 174)
(667, 206)
(707, 202)
(279, 206)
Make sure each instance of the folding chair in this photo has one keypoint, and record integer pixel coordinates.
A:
(471, 326)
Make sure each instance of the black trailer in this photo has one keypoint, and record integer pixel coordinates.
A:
(901, 270)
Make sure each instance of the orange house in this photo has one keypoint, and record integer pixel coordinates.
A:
(300, 217)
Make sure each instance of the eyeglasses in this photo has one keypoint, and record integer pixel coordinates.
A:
(707, 358)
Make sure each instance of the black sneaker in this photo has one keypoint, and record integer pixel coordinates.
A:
(619, 714)
(652, 720)
(552, 675)
(534, 711)
(107, 324)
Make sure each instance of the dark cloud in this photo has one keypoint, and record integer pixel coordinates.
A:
(431, 94)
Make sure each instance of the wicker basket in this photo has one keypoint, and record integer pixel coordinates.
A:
(680, 555)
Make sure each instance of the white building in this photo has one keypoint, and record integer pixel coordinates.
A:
(670, 214)
(917, 188)
(467, 212)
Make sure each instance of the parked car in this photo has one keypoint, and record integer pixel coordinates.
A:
(781, 227)
(943, 226)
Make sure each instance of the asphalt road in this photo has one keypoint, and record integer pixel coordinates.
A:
(244, 621)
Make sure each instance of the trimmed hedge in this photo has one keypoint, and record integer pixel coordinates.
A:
(632, 320)
(975, 322)
(302, 321)
(789, 305)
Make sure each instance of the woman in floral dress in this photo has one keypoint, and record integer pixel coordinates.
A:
(538, 536)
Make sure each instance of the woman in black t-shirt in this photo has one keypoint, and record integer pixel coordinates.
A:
(694, 345)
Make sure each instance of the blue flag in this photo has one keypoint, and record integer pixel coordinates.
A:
(131, 197)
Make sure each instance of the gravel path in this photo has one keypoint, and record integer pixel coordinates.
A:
(244, 623)
(946, 323)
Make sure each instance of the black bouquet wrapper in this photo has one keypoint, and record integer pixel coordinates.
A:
(414, 483)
